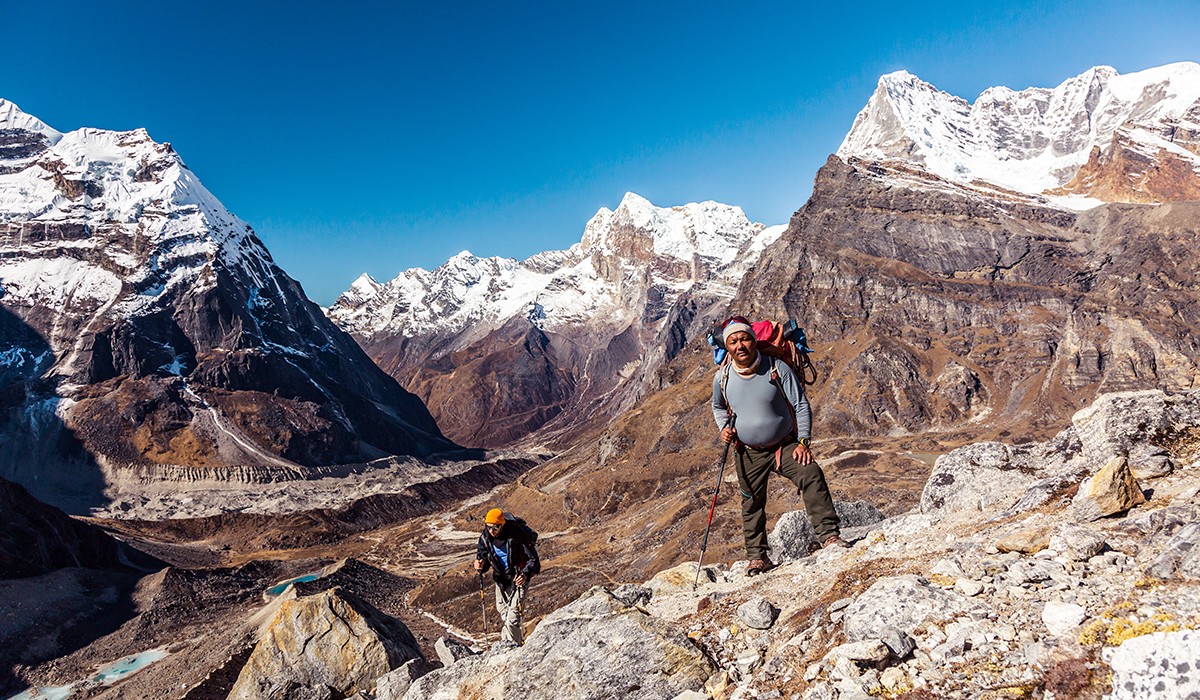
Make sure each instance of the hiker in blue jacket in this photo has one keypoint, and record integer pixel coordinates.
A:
(772, 431)
(507, 546)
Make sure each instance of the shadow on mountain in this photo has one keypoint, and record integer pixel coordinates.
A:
(63, 583)
(37, 449)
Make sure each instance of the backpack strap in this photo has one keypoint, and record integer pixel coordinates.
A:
(724, 386)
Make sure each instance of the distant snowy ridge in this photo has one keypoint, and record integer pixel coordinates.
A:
(600, 279)
(1031, 141)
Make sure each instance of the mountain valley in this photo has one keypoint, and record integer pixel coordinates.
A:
(1001, 297)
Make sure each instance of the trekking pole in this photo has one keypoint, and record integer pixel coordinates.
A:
(713, 507)
(483, 606)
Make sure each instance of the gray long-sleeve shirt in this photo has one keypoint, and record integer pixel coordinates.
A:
(764, 414)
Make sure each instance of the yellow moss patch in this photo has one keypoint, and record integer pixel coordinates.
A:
(1093, 632)
(1114, 630)
(942, 579)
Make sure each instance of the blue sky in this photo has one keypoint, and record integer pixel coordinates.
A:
(373, 137)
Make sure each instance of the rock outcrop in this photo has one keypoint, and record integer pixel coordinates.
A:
(329, 645)
(597, 647)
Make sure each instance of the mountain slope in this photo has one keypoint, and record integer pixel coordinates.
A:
(941, 312)
(148, 328)
(571, 336)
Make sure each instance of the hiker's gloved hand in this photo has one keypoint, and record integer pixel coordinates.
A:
(520, 580)
(729, 435)
(802, 455)
(479, 565)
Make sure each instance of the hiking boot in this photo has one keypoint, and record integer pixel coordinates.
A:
(834, 541)
(758, 566)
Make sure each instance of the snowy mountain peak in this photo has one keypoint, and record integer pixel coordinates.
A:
(148, 222)
(674, 248)
(11, 117)
(1033, 140)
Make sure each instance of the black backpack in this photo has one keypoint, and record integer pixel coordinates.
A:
(528, 533)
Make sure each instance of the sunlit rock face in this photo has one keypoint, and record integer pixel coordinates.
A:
(146, 327)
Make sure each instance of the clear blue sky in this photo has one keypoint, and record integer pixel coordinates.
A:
(373, 137)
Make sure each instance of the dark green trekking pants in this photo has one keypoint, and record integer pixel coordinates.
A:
(753, 468)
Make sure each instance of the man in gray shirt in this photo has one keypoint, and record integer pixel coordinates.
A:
(772, 429)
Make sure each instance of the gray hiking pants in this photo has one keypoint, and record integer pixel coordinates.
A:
(510, 600)
(753, 468)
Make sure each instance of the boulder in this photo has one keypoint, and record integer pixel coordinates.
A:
(450, 650)
(1027, 540)
(1109, 491)
(1159, 665)
(1061, 618)
(1131, 423)
(793, 534)
(1180, 557)
(903, 603)
(327, 645)
(973, 478)
(394, 684)
(1077, 543)
(757, 613)
(596, 647)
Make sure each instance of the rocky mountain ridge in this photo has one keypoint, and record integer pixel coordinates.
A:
(572, 335)
(127, 290)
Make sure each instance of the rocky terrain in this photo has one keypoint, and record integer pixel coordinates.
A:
(146, 333)
(1063, 568)
(1006, 542)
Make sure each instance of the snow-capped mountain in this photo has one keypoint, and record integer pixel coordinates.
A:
(127, 289)
(622, 252)
(1036, 141)
(641, 274)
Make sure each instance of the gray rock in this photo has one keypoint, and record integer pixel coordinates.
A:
(1131, 422)
(1061, 618)
(1180, 557)
(451, 650)
(1165, 520)
(1046, 489)
(1163, 665)
(1033, 571)
(596, 647)
(898, 642)
(903, 603)
(633, 595)
(973, 478)
(757, 613)
(793, 534)
(393, 685)
(1077, 543)
(968, 587)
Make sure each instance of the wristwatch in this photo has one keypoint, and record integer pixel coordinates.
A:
(804, 441)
